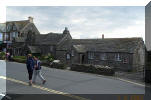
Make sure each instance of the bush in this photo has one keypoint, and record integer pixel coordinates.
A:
(49, 57)
(20, 59)
(58, 65)
(2, 55)
(98, 69)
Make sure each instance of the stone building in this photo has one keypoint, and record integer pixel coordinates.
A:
(16, 34)
(120, 53)
(22, 37)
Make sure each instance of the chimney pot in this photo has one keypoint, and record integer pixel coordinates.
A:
(30, 19)
(102, 36)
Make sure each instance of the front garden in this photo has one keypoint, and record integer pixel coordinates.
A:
(2, 55)
(49, 61)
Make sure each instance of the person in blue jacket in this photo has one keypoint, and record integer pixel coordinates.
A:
(30, 67)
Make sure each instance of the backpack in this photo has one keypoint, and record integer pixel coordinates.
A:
(38, 63)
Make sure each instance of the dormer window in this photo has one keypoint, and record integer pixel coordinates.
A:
(14, 28)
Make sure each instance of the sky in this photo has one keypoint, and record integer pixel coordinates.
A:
(84, 21)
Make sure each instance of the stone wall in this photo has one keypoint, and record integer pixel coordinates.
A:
(110, 60)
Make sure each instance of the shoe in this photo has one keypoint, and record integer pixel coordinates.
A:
(34, 82)
(44, 82)
(30, 84)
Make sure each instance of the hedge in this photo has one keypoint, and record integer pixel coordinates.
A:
(97, 69)
(58, 65)
(20, 59)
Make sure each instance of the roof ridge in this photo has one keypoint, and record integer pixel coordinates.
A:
(109, 38)
(16, 21)
(54, 33)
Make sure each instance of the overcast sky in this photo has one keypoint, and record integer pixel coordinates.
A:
(84, 21)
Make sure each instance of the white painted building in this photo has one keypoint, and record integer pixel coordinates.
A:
(148, 26)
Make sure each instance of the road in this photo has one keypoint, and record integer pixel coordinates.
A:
(81, 86)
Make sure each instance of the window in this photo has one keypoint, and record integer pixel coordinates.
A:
(103, 56)
(117, 57)
(51, 48)
(14, 27)
(6, 37)
(14, 34)
(1, 36)
(68, 56)
(125, 60)
(72, 52)
(90, 55)
(8, 27)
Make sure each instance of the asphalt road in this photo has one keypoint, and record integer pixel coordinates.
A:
(62, 82)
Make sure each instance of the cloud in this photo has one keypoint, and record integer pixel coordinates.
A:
(86, 21)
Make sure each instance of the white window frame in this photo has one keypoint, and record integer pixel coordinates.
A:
(14, 27)
(72, 52)
(6, 37)
(90, 55)
(68, 56)
(8, 27)
(1, 36)
(118, 57)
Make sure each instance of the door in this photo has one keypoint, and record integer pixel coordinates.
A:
(81, 58)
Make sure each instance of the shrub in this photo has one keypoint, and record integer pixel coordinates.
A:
(2, 55)
(20, 59)
(98, 69)
(49, 57)
(58, 65)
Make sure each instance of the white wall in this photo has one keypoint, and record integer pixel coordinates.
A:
(2, 74)
(148, 26)
(1, 37)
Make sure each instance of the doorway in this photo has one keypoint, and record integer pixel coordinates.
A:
(82, 56)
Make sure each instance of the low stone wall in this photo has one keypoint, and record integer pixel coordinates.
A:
(97, 69)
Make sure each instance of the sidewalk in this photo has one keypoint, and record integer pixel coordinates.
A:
(133, 76)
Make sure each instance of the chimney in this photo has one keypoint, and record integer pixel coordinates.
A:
(30, 19)
(66, 31)
(102, 36)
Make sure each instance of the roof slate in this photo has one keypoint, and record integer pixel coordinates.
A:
(19, 24)
(108, 44)
(50, 38)
(34, 49)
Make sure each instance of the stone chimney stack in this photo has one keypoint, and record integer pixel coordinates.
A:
(30, 19)
(102, 36)
(66, 31)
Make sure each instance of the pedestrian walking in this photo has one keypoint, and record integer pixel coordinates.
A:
(30, 67)
(37, 71)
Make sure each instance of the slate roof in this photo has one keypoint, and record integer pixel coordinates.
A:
(34, 49)
(50, 38)
(2, 27)
(80, 48)
(107, 45)
(19, 24)
(20, 39)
